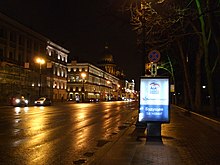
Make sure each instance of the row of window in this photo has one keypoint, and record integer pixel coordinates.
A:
(60, 71)
(91, 79)
(95, 89)
(56, 54)
(77, 69)
(21, 39)
(96, 73)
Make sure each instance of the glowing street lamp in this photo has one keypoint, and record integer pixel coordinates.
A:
(83, 75)
(40, 61)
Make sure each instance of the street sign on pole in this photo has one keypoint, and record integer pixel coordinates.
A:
(154, 56)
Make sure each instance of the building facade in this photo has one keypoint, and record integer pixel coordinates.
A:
(86, 81)
(20, 74)
(130, 93)
(56, 70)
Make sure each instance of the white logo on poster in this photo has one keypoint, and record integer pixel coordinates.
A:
(154, 91)
(154, 88)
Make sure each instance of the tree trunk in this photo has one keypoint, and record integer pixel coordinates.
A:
(198, 78)
(186, 76)
(207, 60)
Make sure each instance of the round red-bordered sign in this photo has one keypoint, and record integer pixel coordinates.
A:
(154, 56)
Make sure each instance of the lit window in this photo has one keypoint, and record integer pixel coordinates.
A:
(58, 71)
(77, 78)
(62, 73)
(54, 85)
(49, 52)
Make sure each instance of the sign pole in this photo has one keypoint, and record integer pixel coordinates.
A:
(154, 129)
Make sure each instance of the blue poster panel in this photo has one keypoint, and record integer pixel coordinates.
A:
(154, 100)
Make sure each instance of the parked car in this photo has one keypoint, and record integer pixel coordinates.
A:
(19, 101)
(42, 101)
(93, 100)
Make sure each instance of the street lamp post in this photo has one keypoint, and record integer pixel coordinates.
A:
(40, 61)
(83, 75)
(109, 92)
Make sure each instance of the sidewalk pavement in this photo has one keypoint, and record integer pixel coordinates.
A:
(186, 140)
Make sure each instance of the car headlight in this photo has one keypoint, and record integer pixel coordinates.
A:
(17, 101)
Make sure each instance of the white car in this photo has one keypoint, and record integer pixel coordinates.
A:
(42, 101)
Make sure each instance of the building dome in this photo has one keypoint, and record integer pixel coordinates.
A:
(106, 62)
(107, 56)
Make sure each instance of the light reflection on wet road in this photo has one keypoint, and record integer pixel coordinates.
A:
(60, 134)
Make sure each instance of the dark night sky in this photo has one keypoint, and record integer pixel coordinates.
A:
(83, 27)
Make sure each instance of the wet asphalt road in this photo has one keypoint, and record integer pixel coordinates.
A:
(65, 133)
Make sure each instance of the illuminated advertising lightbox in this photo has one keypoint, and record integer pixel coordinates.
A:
(154, 100)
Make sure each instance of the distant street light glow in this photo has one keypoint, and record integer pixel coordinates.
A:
(83, 75)
(40, 61)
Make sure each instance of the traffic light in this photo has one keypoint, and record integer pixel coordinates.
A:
(153, 69)
(148, 69)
